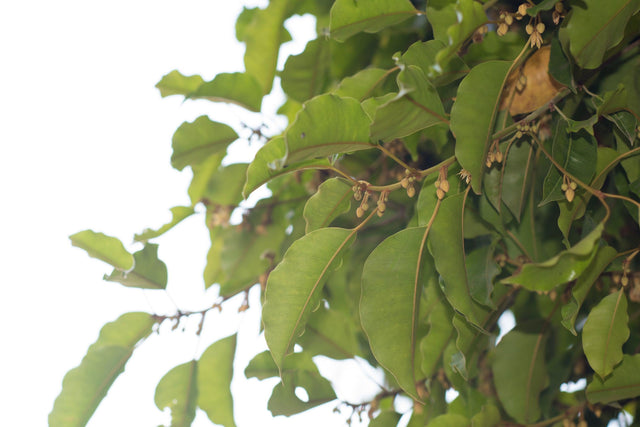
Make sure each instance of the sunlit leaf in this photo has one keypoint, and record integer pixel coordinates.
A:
(224, 186)
(473, 115)
(332, 199)
(562, 268)
(417, 106)
(103, 247)
(604, 333)
(327, 125)
(176, 83)
(148, 272)
(235, 88)
(624, 382)
(178, 213)
(193, 142)
(84, 387)
(305, 75)
(215, 370)
(386, 419)
(295, 286)
(519, 372)
(330, 333)
(178, 391)
(362, 85)
(349, 17)
(594, 27)
(392, 281)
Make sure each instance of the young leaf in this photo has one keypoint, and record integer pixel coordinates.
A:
(604, 333)
(349, 17)
(176, 83)
(215, 370)
(624, 382)
(103, 247)
(178, 213)
(148, 271)
(178, 391)
(562, 268)
(583, 284)
(235, 88)
(446, 244)
(417, 106)
(305, 75)
(295, 286)
(84, 387)
(519, 373)
(193, 142)
(332, 199)
(473, 115)
(392, 280)
(595, 27)
(327, 125)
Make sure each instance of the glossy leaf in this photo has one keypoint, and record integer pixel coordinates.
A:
(175, 83)
(148, 271)
(362, 85)
(519, 373)
(473, 115)
(215, 370)
(84, 387)
(268, 164)
(103, 247)
(446, 244)
(583, 284)
(344, 127)
(178, 213)
(595, 27)
(624, 382)
(417, 106)
(178, 391)
(349, 17)
(332, 199)
(294, 287)
(235, 88)
(306, 75)
(604, 333)
(562, 268)
(392, 281)
(193, 142)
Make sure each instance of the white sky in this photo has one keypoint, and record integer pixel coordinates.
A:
(85, 142)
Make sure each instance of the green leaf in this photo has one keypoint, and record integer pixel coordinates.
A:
(482, 269)
(440, 331)
(583, 284)
(215, 370)
(330, 333)
(562, 268)
(327, 125)
(349, 17)
(213, 269)
(423, 55)
(178, 391)
(84, 387)
(224, 186)
(446, 244)
(473, 115)
(519, 372)
(306, 75)
(392, 280)
(624, 382)
(470, 16)
(417, 106)
(541, 7)
(148, 271)
(441, 14)
(178, 213)
(386, 418)
(362, 84)
(332, 199)
(235, 88)
(103, 247)
(295, 286)
(488, 417)
(450, 420)
(594, 27)
(193, 142)
(516, 174)
(176, 83)
(202, 174)
(604, 333)
(577, 153)
(267, 165)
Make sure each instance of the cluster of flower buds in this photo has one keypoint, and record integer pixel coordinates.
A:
(522, 128)
(219, 215)
(535, 34)
(558, 13)
(478, 35)
(494, 155)
(382, 202)
(522, 11)
(442, 183)
(465, 176)
(569, 188)
(407, 183)
(504, 22)
(364, 204)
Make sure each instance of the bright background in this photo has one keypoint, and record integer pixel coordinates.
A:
(85, 142)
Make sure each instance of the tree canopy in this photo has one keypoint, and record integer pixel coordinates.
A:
(445, 162)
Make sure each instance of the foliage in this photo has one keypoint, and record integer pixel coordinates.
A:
(445, 162)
